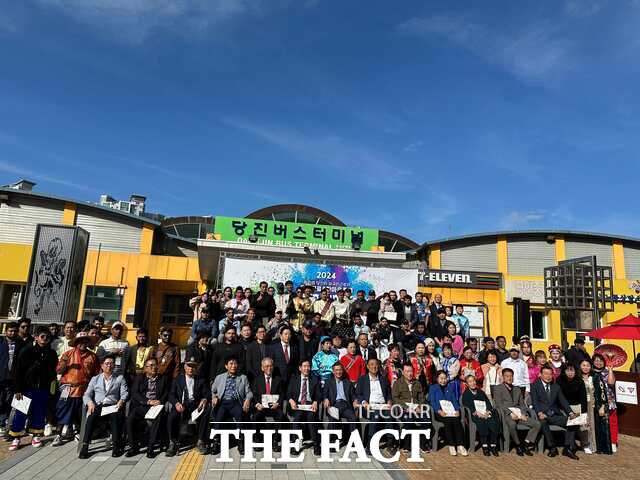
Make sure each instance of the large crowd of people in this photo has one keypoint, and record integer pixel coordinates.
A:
(298, 358)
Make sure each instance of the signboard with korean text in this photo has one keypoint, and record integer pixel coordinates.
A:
(456, 279)
(249, 273)
(289, 234)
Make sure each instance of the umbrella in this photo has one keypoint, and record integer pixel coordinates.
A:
(627, 328)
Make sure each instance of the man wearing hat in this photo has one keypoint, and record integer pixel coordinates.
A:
(204, 324)
(189, 393)
(519, 368)
(76, 367)
(323, 361)
(576, 354)
(117, 346)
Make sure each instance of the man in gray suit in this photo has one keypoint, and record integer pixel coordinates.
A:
(230, 398)
(105, 390)
(506, 396)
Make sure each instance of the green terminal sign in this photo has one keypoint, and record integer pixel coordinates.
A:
(289, 234)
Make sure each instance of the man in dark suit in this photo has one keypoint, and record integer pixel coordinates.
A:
(373, 390)
(340, 394)
(304, 392)
(285, 355)
(10, 347)
(268, 384)
(255, 352)
(189, 392)
(365, 350)
(149, 390)
(435, 306)
(552, 408)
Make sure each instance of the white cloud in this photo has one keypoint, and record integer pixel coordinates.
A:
(534, 53)
(583, 8)
(135, 20)
(332, 155)
(414, 146)
(559, 218)
(35, 175)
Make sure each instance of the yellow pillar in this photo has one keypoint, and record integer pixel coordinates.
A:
(503, 255)
(618, 260)
(69, 214)
(146, 239)
(434, 256)
(561, 253)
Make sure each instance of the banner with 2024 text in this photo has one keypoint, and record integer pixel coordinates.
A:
(249, 273)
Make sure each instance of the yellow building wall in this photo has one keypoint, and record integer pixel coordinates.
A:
(170, 275)
(501, 312)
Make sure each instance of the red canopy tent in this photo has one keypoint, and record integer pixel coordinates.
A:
(627, 328)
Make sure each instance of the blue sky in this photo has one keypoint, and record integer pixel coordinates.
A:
(425, 118)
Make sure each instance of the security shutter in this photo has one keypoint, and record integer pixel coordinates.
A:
(602, 249)
(530, 256)
(473, 256)
(114, 233)
(19, 217)
(632, 261)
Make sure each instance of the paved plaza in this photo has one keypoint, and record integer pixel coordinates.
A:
(62, 463)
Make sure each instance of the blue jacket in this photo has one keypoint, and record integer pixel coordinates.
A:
(436, 394)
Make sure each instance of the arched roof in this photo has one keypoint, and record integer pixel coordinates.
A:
(301, 214)
(520, 233)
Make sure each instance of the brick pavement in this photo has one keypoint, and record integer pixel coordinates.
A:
(62, 464)
(622, 465)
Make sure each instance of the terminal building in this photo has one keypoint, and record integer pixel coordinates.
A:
(142, 269)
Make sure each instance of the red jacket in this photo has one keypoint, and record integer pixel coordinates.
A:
(354, 366)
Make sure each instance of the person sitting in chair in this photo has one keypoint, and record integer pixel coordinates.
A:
(105, 390)
(552, 408)
(304, 390)
(507, 397)
(148, 390)
(189, 393)
(230, 398)
(268, 384)
(340, 394)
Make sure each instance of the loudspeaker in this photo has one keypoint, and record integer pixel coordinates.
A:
(140, 311)
(521, 318)
(55, 274)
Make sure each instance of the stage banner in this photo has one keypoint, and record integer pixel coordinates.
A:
(55, 276)
(249, 273)
(289, 234)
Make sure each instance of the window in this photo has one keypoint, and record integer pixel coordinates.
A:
(176, 311)
(11, 297)
(102, 301)
(538, 325)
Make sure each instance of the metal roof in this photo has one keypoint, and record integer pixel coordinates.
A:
(13, 191)
(508, 233)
